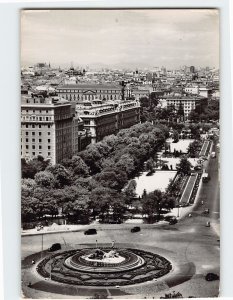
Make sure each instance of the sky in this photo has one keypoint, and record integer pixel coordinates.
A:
(121, 38)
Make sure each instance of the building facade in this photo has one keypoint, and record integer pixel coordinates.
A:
(101, 120)
(89, 92)
(188, 103)
(46, 128)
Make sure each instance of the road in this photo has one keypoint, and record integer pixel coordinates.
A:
(192, 248)
(210, 192)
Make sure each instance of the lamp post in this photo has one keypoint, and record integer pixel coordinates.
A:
(42, 241)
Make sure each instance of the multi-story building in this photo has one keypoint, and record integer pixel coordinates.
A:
(192, 89)
(140, 93)
(188, 103)
(77, 92)
(46, 128)
(80, 137)
(104, 119)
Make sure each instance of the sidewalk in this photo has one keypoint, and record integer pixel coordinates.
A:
(54, 229)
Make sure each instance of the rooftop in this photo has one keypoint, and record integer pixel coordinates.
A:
(41, 101)
(91, 86)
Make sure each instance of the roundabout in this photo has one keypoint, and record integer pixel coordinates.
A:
(103, 267)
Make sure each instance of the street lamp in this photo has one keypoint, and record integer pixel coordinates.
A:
(42, 241)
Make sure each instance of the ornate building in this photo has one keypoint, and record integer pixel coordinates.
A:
(78, 92)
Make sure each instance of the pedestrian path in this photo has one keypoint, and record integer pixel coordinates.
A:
(188, 189)
(204, 149)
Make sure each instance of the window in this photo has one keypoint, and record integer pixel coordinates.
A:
(33, 126)
(39, 132)
(33, 153)
(33, 140)
(26, 140)
(33, 147)
(48, 133)
(27, 147)
(40, 140)
(33, 132)
(40, 147)
(40, 118)
(48, 140)
(49, 147)
(48, 126)
(26, 132)
(26, 125)
(49, 153)
(47, 118)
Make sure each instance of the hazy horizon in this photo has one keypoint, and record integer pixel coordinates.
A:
(121, 38)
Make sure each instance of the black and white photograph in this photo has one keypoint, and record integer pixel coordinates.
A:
(120, 153)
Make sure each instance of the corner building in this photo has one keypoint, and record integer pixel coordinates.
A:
(105, 119)
(46, 128)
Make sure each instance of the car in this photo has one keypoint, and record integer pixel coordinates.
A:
(169, 218)
(211, 277)
(173, 221)
(206, 211)
(136, 229)
(55, 247)
(198, 167)
(90, 231)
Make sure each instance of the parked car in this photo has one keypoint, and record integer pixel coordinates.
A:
(211, 277)
(55, 247)
(136, 229)
(90, 231)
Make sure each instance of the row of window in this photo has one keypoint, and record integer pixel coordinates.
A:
(34, 153)
(35, 126)
(33, 133)
(33, 140)
(35, 118)
(36, 111)
(94, 91)
(34, 147)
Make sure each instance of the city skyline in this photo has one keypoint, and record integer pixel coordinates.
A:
(121, 38)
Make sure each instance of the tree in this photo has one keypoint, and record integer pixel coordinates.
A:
(150, 165)
(184, 167)
(151, 204)
(194, 148)
(112, 178)
(175, 136)
(130, 191)
(29, 169)
(76, 166)
(61, 175)
(45, 179)
(100, 200)
(180, 111)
